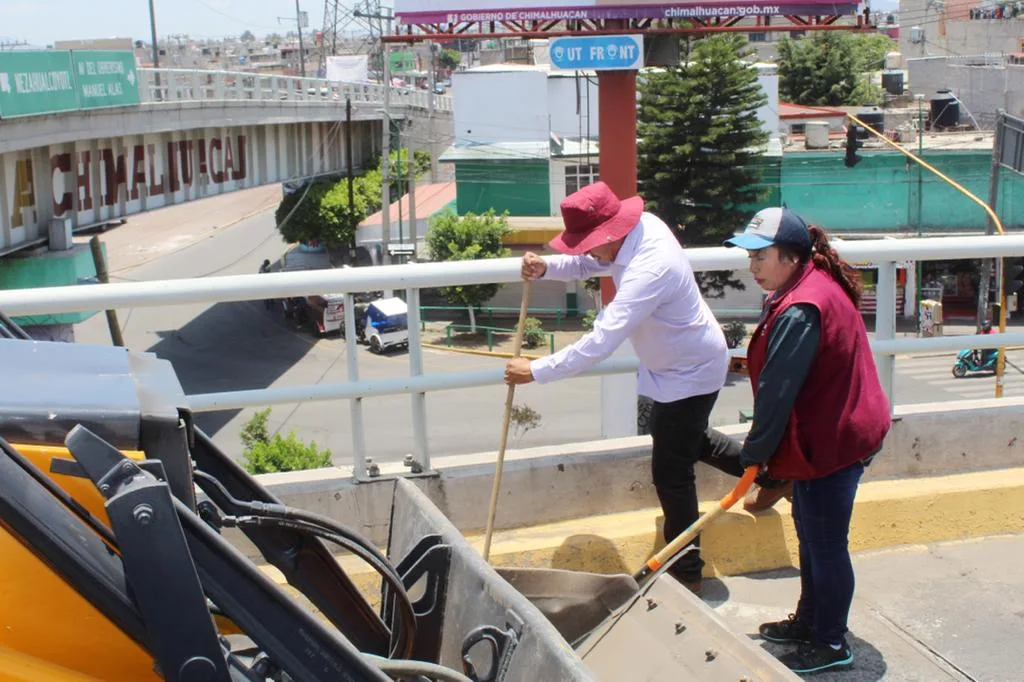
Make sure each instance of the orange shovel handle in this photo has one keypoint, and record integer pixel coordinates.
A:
(686, 537)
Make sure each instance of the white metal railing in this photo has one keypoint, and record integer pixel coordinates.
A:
(986, 59)
(198, 85)
(885, 253)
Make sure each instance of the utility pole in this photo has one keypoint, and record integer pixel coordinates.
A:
(302, 50)
(412, 207)
(993, 196)
(100, 261)
(920, 202)
(351, 177)
(156, 50)
(398, 180)
(385, 162)
(434, 171)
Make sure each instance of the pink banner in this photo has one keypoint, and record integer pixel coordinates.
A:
(455, 11)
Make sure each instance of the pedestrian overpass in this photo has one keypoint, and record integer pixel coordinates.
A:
(194, 134)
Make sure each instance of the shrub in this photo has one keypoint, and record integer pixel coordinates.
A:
(267, 454)
(524, 418)
(533, 333)
(588, 319)
(735, 333)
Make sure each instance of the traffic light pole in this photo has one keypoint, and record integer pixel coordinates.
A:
(993, 197)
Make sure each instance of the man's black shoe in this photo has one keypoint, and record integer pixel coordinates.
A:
(816, 657)
(785, 631)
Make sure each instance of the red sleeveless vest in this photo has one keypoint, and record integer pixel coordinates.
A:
(841, 415)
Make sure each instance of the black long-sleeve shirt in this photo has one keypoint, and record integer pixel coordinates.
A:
(792, 347)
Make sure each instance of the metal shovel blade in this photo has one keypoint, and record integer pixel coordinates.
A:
(574, 602)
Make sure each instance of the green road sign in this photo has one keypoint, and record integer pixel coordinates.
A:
(105, 78)
(36, 83)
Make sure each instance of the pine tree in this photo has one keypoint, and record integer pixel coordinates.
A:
(699, 141)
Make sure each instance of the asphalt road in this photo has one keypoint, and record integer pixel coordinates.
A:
(232, 346)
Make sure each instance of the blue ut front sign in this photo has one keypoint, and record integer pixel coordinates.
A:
(597, 53)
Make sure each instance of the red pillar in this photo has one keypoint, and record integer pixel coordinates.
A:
(616, 98)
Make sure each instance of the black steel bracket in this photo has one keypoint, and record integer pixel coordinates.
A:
(158, 566)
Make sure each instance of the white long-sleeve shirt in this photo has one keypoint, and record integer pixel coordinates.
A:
(657, 306)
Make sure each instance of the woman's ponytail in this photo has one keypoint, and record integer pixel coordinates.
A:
(827, 258)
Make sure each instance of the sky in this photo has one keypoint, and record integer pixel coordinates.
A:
(41, 22)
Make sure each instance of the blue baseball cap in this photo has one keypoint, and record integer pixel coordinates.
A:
(773, 226)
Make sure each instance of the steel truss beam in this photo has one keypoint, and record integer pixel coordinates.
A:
(415, 32)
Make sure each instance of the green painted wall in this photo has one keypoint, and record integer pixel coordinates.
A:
(49, 269)
(881, 192)
(770, 168)
(520, 187)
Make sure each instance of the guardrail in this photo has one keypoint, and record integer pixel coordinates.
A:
(198, 85)
(884, 253)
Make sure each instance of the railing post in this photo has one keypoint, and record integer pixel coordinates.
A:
(552, 337)
(419, 400)
(355, 404)
(448, 334)
(490, 340)
(885, 326)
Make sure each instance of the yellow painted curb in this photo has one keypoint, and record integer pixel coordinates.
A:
(886, 514)
(470, 351)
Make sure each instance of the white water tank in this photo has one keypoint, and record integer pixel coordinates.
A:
(816, 134)
(893, 60)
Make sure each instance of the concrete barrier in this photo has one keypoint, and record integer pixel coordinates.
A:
(886, 514)
(553, 484)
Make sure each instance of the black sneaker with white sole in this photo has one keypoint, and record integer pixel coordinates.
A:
(785, 631)
(817, 657)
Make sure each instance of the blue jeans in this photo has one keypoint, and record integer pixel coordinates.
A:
(821, 513)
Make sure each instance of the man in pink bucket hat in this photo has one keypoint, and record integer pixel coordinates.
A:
(659, 308)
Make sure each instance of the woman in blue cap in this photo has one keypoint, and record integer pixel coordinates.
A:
(820, 415)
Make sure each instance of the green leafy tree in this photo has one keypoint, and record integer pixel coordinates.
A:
(831, 69)
(699, 142)
(449, 59)
(298, 214)
(264, 453)
(247, 37)
(322, 215)
(870, 50)
(470, 237)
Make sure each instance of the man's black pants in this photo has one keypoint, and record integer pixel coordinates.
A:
(681, 437)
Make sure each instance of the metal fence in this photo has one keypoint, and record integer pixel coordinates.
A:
(885, 253)
(197, 85)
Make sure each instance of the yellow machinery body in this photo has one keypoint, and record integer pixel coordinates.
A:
(48, 631)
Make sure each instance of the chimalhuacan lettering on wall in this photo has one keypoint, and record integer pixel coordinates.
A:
(115, 178)
(112, 176)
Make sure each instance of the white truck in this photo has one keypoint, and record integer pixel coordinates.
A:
(387, 324)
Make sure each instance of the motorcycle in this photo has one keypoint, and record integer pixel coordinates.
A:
(969, 361)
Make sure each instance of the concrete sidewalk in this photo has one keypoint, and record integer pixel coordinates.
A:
(152, 235)
(945, 611)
